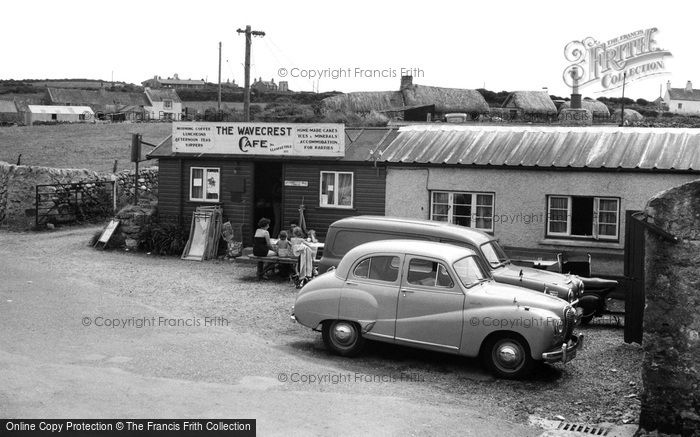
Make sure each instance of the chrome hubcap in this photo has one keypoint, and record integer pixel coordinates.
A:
(508, 355)
(343, 333)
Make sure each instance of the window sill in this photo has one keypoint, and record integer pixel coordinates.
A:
(347, 208)
(205, 201)
(597, 244)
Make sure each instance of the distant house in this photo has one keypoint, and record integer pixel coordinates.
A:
(116, 106)
(9, 113)
(264, 85)
(682, 100)
(410, 103)
(54, 113)
(530, 103)
(175, 82)
(163, 104)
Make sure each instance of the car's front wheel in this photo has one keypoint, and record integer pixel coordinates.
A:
(343, 337)
(508, 356)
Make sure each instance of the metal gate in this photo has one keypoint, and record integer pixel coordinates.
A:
(75, 202)
(634, 278)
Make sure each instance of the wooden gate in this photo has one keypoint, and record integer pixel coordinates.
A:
(634, 277)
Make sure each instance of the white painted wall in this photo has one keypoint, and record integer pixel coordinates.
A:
(520, 201)
(688, 106)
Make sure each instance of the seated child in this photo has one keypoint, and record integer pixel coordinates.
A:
(284, 247)
(306, 255)
(311, 236)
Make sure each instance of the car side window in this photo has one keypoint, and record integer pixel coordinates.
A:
(428, 273)
(378, 268)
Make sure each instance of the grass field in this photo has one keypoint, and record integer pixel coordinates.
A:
(90, 146)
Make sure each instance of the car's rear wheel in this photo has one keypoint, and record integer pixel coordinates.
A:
(343, 337)
(508, 356)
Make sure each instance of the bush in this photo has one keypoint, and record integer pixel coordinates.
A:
(163, 238)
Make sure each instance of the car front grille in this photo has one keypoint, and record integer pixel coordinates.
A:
(569, 321)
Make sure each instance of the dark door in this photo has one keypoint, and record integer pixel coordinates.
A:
(267, 200)
(634, 278)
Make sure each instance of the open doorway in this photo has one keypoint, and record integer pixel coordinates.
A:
(268, 195)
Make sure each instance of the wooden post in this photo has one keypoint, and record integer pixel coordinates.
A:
(246, 92)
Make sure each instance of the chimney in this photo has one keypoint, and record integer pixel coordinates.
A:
(668, 85)
(406, 82)
(689, 87)
(175, 76)
(575, 96)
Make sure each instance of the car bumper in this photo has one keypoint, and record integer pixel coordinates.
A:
(566, 353)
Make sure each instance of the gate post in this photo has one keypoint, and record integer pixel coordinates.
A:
(670, 372)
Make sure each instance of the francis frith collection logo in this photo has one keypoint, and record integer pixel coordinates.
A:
(629, 57)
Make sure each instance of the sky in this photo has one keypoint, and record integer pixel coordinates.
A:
(350, 46)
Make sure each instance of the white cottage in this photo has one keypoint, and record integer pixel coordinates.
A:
(682, 100)
(165, 104)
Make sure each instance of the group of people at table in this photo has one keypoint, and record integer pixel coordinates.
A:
(297, 245)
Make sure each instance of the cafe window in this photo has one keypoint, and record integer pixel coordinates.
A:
(204, 184)
(583, 216)
(474, 210)
(336, 189)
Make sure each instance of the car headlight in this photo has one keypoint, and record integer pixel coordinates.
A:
(557, 331)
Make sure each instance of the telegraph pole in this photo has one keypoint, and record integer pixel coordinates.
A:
(622, 110)
(219, 100)
(246, 93)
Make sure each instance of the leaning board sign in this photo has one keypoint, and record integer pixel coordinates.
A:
(267, 139)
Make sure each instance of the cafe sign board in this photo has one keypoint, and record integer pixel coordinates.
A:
(263, 139)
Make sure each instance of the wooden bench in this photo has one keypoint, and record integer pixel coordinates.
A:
(266, 264)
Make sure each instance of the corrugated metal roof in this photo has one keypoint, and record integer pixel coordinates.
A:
(546, 146)
(50, 109)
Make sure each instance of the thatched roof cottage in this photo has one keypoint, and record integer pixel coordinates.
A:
(363, 102)
(530, 103)
(597, 108)
(411, 102)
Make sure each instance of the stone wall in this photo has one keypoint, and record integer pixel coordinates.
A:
(147, 186)
(671, 367)
(18, 190)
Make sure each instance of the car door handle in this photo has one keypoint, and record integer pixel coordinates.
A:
(354, 284)
(407, 290)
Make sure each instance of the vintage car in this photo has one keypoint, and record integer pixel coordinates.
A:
(349, 232)
(439, 297)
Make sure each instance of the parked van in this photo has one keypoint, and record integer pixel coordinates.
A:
(350, 232)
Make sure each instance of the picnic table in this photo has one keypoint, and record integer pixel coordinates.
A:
(266, 264)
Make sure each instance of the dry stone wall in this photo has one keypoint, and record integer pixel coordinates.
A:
(18, 189)
(671, 367)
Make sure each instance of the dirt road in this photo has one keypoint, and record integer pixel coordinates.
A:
(93, 334)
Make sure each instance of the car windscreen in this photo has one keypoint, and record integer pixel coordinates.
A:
(470, 271)
(494, 254)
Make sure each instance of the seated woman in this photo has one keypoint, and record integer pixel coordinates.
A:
(262, 246)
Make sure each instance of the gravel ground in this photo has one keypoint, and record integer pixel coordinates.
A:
(602, 384)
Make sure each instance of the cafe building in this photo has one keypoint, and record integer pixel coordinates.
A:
(255, 170)
(541, 190)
